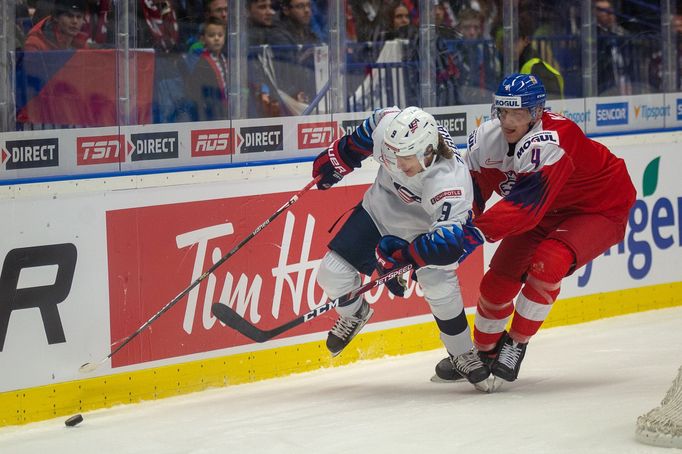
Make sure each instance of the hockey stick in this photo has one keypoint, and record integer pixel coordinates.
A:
(228, 316)
(89, 367)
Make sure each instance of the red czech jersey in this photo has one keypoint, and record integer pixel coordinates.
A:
(553, 169)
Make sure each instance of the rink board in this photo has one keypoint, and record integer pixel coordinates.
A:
(102, 256)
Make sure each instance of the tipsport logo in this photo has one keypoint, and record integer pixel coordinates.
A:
(647, 112)
(654, 223)
(612, 114)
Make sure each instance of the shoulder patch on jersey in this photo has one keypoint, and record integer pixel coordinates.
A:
(454, 193)
(473, 137)
(538, 138)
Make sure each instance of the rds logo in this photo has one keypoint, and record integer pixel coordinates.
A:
(662, 217)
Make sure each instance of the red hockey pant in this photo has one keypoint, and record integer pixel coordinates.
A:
(535, 262)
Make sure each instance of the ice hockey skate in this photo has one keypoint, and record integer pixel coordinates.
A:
(508, 362)
(470, 366)
(346, 328)
(446, 372)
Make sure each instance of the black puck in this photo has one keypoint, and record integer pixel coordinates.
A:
(72, 421)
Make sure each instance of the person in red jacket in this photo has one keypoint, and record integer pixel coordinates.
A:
(565, 199)
(61, 30)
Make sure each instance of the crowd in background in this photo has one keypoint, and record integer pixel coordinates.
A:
(190, 40)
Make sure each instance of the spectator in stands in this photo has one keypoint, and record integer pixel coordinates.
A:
(61, 30)
(480, 64)
(260, 18)
(294, 53)
(531, 63)
(157, 25)
(445, 57)
(22, 24)
(209, 81)
(259, 22)
(369, 19)
(399, 23)
(212, 8)
(98, 24)
(614, 71)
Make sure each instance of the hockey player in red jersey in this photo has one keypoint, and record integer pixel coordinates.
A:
(565, 200)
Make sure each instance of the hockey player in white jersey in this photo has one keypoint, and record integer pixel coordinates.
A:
(417, 211)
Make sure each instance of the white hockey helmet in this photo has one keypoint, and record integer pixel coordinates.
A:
(413, 132)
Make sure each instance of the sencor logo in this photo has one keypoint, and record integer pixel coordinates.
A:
(679, 110)
(612, 114)
(316, 135)
(99, 150)
(213, 142)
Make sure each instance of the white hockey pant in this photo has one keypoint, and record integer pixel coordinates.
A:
(337, 277)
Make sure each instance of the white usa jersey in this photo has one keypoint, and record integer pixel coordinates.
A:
(409, 206)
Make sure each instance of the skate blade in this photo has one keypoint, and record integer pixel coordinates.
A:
(496, 384)
(490, 384)
(483, 386)
(437, 379)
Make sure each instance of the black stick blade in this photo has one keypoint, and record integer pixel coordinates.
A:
(229, 317)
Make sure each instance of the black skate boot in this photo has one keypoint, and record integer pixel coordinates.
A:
(346, 328)
(446, 372)
(470, 366)
(508, 362)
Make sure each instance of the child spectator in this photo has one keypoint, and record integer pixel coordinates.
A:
(209, 81)
(61, 30)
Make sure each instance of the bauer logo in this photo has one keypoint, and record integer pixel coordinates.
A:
(30, 154)
(212, 142)
(316, 135)
(455, 124)
(262, 138)
(612, 114)
(154, 145)
(99, 150)
(679, 110)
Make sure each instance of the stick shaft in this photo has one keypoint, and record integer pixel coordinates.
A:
(228, 316)
(215, 266)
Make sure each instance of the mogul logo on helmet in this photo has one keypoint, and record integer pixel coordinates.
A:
(511, 102)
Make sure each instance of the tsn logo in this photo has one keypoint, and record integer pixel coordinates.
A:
(213, 142)
(316, 135)
(99, 149)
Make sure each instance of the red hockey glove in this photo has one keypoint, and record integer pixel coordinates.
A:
(391, 254)
(331, 166)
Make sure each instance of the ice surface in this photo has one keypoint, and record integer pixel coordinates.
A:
(580, 390)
